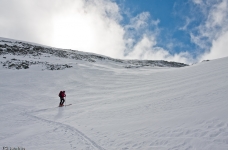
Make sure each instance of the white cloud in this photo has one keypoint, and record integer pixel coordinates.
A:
(219, 48)
(140, 21)
(218, 15)
(146, 49)
(211, 35)
(95, 28)
(23, 20)
(197, 1)
(91, 25)
(188, 21)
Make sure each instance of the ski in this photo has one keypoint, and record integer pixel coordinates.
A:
(65, 105)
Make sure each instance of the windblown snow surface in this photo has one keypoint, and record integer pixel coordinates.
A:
(114, 108)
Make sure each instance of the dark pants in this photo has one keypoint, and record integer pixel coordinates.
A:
(62, 100)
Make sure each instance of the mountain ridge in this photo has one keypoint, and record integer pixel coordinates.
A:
(19, 48)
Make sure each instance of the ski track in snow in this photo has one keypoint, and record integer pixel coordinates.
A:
(70, 132)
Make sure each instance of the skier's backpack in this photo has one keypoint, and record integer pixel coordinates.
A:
(60, 93)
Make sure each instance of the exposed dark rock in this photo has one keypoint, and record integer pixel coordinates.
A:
(24, 64)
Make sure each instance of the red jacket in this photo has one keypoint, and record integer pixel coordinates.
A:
(62, 94)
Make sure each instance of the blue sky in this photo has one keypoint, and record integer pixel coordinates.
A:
(187, 31)
(172, 16)
(182, 21)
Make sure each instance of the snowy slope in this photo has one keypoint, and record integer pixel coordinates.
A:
(154, 108)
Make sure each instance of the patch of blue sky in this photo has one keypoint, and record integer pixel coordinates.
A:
(177, 19)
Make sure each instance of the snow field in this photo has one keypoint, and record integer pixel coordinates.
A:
(116, 108)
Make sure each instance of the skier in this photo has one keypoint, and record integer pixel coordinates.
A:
(62, 100)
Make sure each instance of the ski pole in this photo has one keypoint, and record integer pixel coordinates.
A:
(65, 101)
